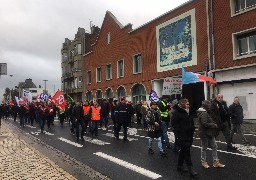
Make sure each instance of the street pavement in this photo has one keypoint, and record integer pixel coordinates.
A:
(20, 160)
(113, 159)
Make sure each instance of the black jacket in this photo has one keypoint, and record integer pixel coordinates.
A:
(183, 125)
(236, 112)
(215, 113)
(22, 110)
(105, 109)
(153, 116)
(78, 112)
(122, 114)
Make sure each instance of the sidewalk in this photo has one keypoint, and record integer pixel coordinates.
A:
(19, 160)
(249, 126)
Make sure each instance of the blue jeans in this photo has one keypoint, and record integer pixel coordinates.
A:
(42, 121)
(21, 121)
(212, 142)
(105, 120)
(159, 143)
(165, 139)
(95, 125)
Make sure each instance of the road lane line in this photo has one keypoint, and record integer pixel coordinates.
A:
(130, 166)
(238, 154)
(70, 142)
(121, 137)
(95, 141)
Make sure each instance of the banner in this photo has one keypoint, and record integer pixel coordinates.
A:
(59, 100)
(171, 86)
(27, 95)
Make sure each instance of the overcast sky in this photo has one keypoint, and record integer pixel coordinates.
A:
(32, 32)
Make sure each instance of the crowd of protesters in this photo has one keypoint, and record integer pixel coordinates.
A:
(158, 118)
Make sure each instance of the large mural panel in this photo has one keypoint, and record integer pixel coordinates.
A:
(176, 42)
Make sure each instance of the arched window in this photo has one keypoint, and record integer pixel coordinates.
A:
(121, 92)
(138, 93)
(109, 93)
(98, 94)
(89, 96)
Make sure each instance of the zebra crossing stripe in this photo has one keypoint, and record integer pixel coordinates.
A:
(130, 166)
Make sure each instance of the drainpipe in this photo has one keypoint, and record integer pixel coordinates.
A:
(213, 45)
(208, 64)
(208, 34)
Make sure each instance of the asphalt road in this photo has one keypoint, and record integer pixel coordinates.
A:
(130, 160)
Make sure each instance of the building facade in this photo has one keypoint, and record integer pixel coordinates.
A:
(215, 38)
(72, 63)
(234, 39)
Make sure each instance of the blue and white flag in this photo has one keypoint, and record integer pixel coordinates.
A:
(43, 96)
(153, 96)
(27, 95)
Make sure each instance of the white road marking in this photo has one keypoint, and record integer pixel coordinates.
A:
(121, 137)
(250, 134)
(30, 126)
(70, 142)
(132, 131)
(95, 141)
(130, 166)
(227, 152)
(47, 133)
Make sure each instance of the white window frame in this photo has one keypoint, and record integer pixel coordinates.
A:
(134, 64)
(233, 8)
(97, 70)
(108, 38)
(108, 78)
(235, 44)
(118, 72)
(89, 78)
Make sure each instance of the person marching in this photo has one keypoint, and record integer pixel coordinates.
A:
(43, 115)
(207, 131)
(79, 119)
(113, 115)
(95, 113)
(164, 108)
(237, 117)
(1, 112)
(22, 112)
(154, 128)
(220, 114)
(87, 116)
(183, 128)
(50, 118)
(122, 118)
(105, 109)
(61, 115)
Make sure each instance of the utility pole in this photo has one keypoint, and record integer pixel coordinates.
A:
(45, 85)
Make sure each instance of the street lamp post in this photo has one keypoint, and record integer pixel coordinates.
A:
(10, 98)
(45, 85)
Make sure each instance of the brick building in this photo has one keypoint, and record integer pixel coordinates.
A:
(201, 35)
(234, 25)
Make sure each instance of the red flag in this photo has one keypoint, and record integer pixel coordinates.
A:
(11, 103)
(59, 100)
